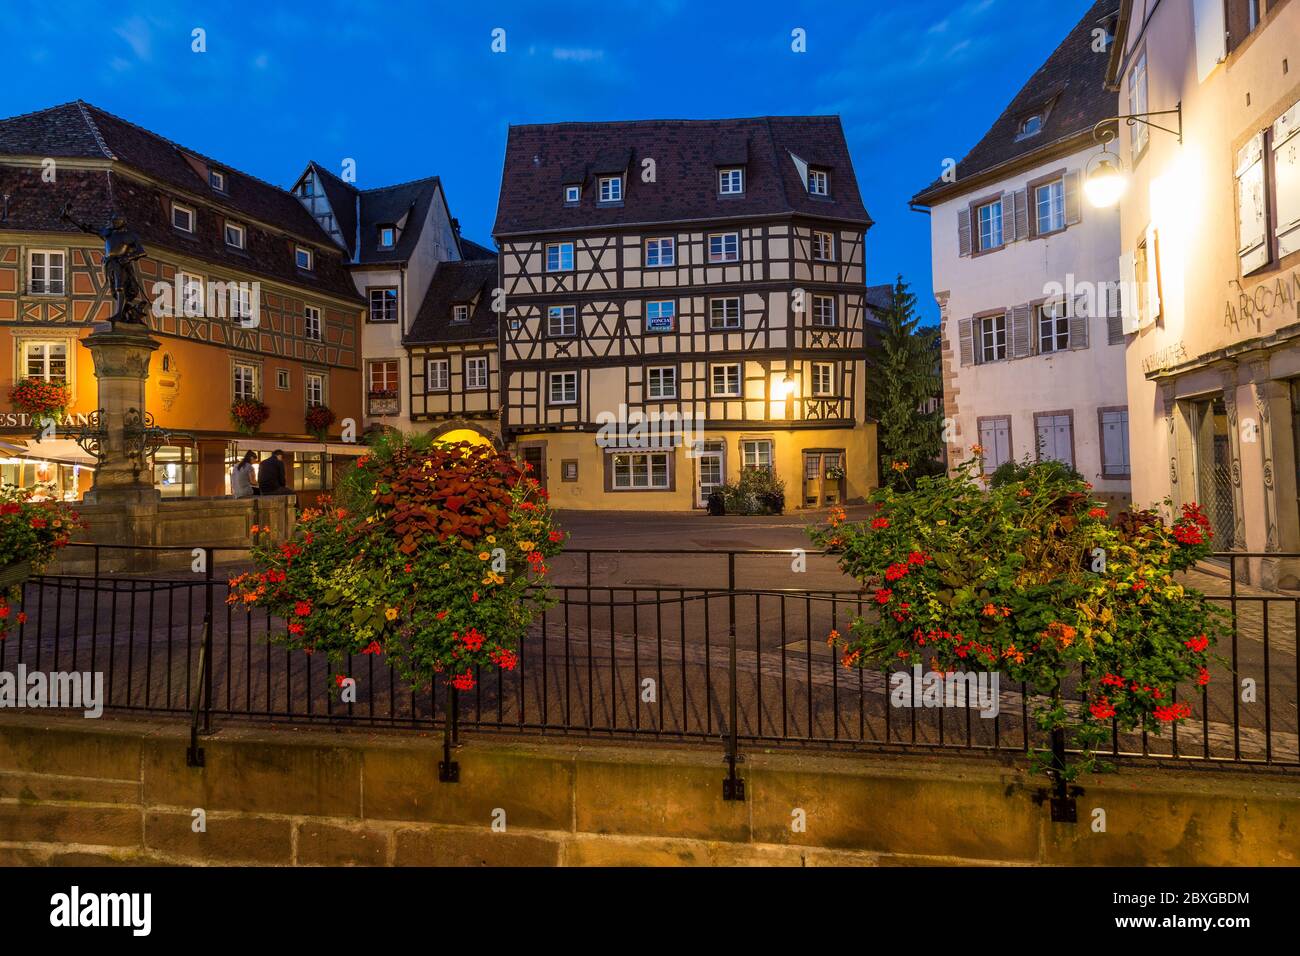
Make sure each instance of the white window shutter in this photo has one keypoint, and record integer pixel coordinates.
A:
(966, 342)
(1073, 207)
(1286, 179)
(1080, 316)
(1211, 36)
(1252, 205)
(1152, 277)
(1009, 218)
(1022, 214)
(1129, 292)
(963, 231)
(1022, 340)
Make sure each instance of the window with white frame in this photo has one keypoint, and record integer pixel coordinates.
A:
(303, 258)
(562, 388)
(311, 327)
(190, 289)
(819, 183)
(993, 338)
(245, 383)
(661, 382)
(989, 217)
(1053, 327)
(756, 453)
(217, 180)
(823, 246)
(731, 182)
(460, 313)
(823, 378)
(724, 380)
(659, 316)
(182, 217)
(572, 194)
(1049, 207)
(383, 374)
(282, 379)
(437, 375)
(823, 310)
(639, 471)
(236, 236)
(387, 237)
(476, 371)
(559, 257)
(1137, 103)
(315, 383)
(45, 270)
(659, 252)
(724, 247)
(724, 313)
(562, 321)
(611, 188)
(46, 360)
(383, 305)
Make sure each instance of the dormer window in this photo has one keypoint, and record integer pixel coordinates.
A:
(731, 182)
(1030, 125)
(611, 189)
(819, 183)
(572, 195)
(387, 237)
(460, 313)
(217, 180)
(236, 236)
(182, 217)
(302, 257)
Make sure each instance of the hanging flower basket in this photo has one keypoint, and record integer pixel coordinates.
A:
(30, 533)
(248, 415)
(835, 473)
(318, 420)
(39, 398)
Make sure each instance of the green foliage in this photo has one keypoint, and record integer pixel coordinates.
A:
(758, 492)
(1049, 469)
(1030, 579)
(30, 531)
(904, 377)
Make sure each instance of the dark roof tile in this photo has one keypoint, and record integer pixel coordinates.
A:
(466, 282)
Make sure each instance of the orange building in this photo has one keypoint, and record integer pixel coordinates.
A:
(250, 299)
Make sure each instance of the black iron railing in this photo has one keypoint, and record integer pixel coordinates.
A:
(627, 651)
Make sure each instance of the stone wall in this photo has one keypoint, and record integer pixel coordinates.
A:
(74, 791)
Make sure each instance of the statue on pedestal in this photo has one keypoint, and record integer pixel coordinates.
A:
(122, 249)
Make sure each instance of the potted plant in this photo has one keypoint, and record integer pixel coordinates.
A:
(30, 533)
(1031, 579)
(433, 555)
(40, 399)
(318, 420)
(248, 415)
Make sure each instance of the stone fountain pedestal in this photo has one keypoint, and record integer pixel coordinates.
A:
(121, 355)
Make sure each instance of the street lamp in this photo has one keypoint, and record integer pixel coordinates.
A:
(1104, 181)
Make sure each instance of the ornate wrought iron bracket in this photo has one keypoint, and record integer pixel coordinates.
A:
(89, 437)
(1102, 132)
(142, 437)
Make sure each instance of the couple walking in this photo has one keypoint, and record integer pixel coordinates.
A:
(270, 476)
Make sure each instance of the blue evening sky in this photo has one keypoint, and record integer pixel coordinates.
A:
(410, 89)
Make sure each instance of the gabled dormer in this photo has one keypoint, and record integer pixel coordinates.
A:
(331, 202)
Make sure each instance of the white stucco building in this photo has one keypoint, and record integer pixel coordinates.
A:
(1025, 275)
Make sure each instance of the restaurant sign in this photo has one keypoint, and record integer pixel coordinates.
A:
(23, 422)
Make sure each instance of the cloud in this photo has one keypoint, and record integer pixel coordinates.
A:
(577, 54)
(138, 36)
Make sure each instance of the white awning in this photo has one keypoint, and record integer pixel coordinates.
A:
(329, 448)
(64, 451)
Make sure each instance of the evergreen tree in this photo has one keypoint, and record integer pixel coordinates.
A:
(904, 376)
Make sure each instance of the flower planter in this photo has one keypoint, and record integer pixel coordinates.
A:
(13, 574)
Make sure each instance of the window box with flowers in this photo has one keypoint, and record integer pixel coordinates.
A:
(1031, 579)
(248, 415)
(318, 420)
(383, 402)
(434, 556)
(41, 399)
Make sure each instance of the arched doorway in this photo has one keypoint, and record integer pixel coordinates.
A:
(457, 431)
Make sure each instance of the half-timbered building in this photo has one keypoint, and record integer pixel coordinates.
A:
(707, 273)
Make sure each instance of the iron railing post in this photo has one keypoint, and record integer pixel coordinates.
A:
(448, 769)
(209, 555)
(733, 788)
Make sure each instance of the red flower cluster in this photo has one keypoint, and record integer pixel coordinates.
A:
(879, 523)
(318, 419)
(1102, 708)
(504, 658)
(38, 397)
(249, 414)
(472, 639)
(1172, 712)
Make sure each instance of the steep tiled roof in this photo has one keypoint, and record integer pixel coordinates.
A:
(453, 283)
(541, 160)
(880, 297)
(83, 131)
(469, 249)
(1070, 87)
(404, 204)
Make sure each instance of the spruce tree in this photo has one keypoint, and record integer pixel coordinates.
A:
(904, 376)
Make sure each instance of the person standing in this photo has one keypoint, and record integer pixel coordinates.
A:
(271, 477)
(241, 477)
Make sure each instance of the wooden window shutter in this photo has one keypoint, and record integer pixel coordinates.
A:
(963, 231)
(1009, 233)
(1153, 274)
(1080, 315)
(1129, 292)
(966, 342)
(1073, 207)
(1022, 341)
(1286, 180)
(1022, 214)
(1252, 205)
